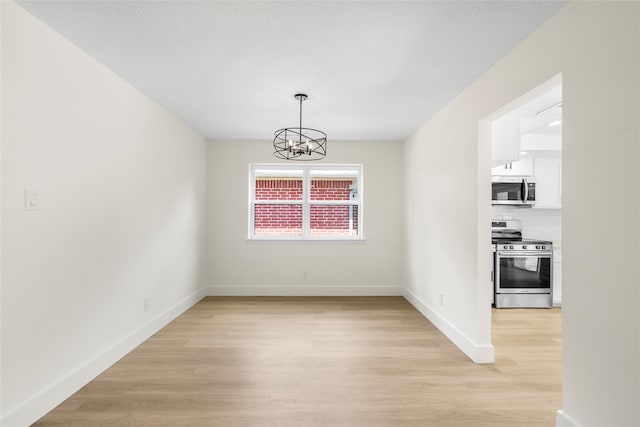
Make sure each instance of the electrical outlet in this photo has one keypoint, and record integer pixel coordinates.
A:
(31, 200)
(147, 303)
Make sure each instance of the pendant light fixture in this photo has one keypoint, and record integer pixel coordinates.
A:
(298, 143)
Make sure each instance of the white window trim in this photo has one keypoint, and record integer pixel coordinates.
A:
(305, 202)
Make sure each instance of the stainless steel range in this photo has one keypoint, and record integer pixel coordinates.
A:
(523, 268)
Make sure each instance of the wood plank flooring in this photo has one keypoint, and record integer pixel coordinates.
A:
(277, 361)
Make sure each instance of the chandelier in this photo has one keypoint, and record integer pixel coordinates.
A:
(298, 143)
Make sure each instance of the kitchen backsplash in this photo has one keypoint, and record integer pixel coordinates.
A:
(543, 224)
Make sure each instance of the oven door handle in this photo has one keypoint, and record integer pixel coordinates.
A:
(513, 254)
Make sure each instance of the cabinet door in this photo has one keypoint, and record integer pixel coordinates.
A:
(557, 283)
(522, 167)
(548, 175)
(505, 141)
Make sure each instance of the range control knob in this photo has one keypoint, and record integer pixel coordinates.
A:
(537, 246)
(510, 246)
(543, 247)
(524, 246)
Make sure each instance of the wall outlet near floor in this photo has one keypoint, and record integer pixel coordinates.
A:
(147, 303)
(31, 200)
(441, 298)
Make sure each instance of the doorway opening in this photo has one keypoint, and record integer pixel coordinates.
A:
(521, 141)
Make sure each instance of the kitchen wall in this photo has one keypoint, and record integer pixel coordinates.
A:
(238, 266)
(121, 186)
(596, 47)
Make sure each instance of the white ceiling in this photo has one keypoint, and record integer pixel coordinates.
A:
(535, 116)
(372, 70)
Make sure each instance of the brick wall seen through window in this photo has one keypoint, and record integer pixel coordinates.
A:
(328, 207)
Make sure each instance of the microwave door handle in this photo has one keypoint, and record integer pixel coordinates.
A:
(525, 190)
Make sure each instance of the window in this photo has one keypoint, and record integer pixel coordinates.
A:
(305, 202)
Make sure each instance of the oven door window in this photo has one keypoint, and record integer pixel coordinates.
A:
(506, 191)
(525, 272)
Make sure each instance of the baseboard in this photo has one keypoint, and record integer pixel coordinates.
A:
(40, 404)
(477, 353)
(564, 420)
(341, 291)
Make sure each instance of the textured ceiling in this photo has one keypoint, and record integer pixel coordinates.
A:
(372, 70)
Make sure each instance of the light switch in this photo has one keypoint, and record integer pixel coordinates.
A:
(31, 200)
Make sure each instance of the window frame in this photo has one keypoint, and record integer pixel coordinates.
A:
(306, 201)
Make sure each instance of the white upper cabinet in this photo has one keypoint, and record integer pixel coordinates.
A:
(548, 174)
(505, 141)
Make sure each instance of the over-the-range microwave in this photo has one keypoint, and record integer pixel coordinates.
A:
(513, 190)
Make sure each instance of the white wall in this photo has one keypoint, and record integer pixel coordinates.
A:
(121, 184)
(596, 47)
(238, 266)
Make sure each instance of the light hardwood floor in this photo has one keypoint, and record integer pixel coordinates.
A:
(371, 361)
